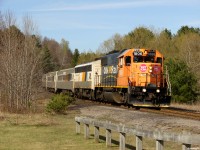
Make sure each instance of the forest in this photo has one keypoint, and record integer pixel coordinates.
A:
(25, 56)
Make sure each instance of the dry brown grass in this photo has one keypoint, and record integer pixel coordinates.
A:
(195, 107)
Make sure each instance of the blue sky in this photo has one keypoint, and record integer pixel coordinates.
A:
(88, 23)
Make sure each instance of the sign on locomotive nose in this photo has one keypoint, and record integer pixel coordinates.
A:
(143, 67)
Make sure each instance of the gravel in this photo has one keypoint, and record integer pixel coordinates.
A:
(135, 118)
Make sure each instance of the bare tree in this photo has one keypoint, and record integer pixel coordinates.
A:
(20, 56)
(65, 54)
(189, 51)
(113, 43)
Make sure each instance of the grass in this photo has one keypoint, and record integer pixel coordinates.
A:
(195, 107)
(55, 132)
(42, 131)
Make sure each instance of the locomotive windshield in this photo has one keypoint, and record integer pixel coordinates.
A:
(144, 59)
(146, 56)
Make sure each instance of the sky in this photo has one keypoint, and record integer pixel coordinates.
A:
(88, 23)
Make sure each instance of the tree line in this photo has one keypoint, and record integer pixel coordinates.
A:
(25, 56)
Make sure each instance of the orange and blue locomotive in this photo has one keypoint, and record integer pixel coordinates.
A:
(133, 77)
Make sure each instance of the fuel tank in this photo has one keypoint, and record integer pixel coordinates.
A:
(113, 97)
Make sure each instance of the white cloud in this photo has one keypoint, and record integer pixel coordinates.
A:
(115, 5)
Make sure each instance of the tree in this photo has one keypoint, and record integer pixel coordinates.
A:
(188, 46)
(106, 46)
(47, 64)
(141, 37)
(75, 57)
(20, 59)
(183, 82)
(113, 43)
(186, 30)
(164, 43)
(87, 57)
(54, 49)
(65, 54)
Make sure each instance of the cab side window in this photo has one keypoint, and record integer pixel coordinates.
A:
(128, 60)
(159, 60)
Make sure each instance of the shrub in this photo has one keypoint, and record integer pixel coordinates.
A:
(59, 103)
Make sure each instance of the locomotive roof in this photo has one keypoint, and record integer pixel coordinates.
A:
(123, 53)
(85, 64)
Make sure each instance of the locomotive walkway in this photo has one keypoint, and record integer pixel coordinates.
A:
(186, 140)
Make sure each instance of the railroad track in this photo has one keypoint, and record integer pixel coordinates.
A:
(168, 111)
(176, 112)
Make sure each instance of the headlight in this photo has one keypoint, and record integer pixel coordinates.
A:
(150, 69)
(144, 90)
(158, 90)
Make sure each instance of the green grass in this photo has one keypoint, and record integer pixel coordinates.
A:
(44, 132)
(39, 131)
(57, 132)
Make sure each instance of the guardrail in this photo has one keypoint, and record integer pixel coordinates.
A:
(160, 137)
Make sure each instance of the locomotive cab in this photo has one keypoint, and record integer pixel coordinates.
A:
(142, 71)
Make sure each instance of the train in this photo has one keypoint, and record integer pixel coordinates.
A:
(131, 77)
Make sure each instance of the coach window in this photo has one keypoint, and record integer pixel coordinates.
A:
(65, 77)
(60, 77)
(69, 76)
(51, 78)
(128, 60)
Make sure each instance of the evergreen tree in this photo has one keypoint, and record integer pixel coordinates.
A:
(183, 82)
(75, 58)
(186, 30)
(47, 61)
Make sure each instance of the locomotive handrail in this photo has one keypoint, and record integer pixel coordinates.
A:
(186, 139)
